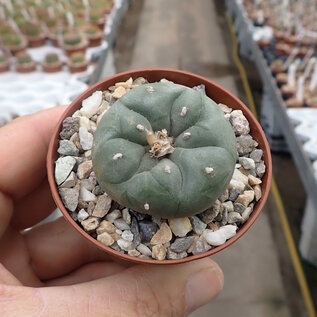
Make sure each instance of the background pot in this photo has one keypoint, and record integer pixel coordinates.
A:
(217, 93)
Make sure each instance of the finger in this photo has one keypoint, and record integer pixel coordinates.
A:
(6, 211)
(56, 249)
(7, 278)
(34, 207)
(87, 273)
(24, 143)
(138, 291)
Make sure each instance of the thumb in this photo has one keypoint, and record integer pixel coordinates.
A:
(140, 291)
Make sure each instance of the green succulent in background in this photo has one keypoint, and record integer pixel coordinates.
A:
(72, 39)
(3, 58)
(92, 30)
(24, 58)
(77, 58)
(164, 149)
(51, 58)
(11, 39)
(30, 29)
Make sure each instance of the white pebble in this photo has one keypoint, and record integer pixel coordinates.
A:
(146, 206)
(125, 245)
(183, 112)
(86, 195)
(63, 167)
(186, 135)
(82, 215)
(117, 156)
(127, 235)
(91, 104)
(219, 237)
(84, 122)
(85, 138)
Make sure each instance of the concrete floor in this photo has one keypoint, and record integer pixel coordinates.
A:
(190, 35)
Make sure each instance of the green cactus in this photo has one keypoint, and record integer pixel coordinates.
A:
(77, 58)
(164, 149)
(51, 58)
(72, 39)
(24, 58)
(11, 39)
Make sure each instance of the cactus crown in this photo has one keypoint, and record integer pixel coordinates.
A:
(30, 29)
(72, 39)
(11, 39)
(51, 58)
(77, 58)
(164, 149)
(24, 58)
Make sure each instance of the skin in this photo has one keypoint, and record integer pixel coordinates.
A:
(51, 270)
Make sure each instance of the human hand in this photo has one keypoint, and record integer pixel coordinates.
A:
(51, 270)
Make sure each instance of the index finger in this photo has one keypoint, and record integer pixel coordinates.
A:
(24, 143)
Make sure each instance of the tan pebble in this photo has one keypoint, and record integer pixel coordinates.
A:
(180, 226)
(106, 226)
(213, 226)
(105, 238)
(103, 206)
(119, 92)
(254, 180)
(245, 198)
(192, 247)
(116, 236)
(84, 169)
(134, 252)
(258, 192)
(162, 236)
(90, 224)
(159, 252)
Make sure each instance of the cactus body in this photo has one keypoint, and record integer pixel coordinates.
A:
(176, 172)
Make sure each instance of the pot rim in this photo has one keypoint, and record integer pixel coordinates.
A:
(190, 80)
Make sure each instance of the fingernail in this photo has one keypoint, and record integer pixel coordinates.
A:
(202, 287)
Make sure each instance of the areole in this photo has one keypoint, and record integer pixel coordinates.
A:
(215, 92)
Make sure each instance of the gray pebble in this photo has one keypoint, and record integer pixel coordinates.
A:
(137, 215)
(174, 255)
(126, 216)
(182, 244)
(201, 245)
(256, 155)
(63, 167)
(69, 127)
(224, 218)
(234, 217)
(97, 190)
(125, 245)
(144, 249)
(136, 233)
(239, 208)
(67, 147)
(228, 205)
(82, 215)
(211, 213)
(69, 197)
(127, 235)
(86, 138)
(113, 215)
(70, 181)
(87, 184)
(233, 194)
(147, 230)
(121, 224)
(260, 168)
(247, 163)
(245, 144)
(239, 122)
(224, 196)
(198, 225)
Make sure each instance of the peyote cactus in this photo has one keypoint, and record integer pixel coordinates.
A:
(164, 149)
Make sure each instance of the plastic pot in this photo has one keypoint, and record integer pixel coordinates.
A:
(217, 93)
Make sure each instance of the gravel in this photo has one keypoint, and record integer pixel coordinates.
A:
(140, 235)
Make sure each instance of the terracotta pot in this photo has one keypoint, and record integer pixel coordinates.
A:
(26, 68)
(95, 40)
(4, 67)
(36, 41)
(78, 68)
(215, 92)
(80, 48)
(53, 67)
(18, 48)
